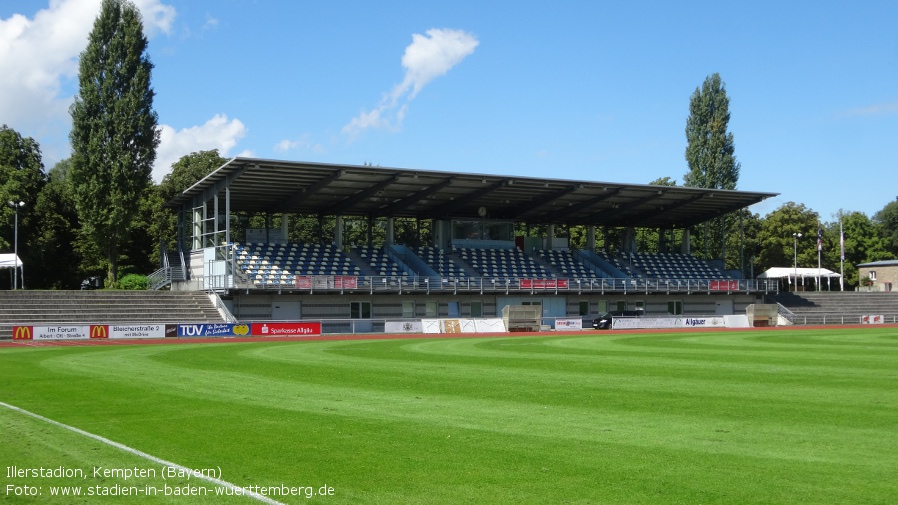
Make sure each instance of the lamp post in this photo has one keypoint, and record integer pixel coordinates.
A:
(795, 237)
(15, 271)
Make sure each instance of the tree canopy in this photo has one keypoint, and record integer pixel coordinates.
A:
(710, 148)
(114, 128)
(710, 156)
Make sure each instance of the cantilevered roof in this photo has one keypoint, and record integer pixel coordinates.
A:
(271, 186)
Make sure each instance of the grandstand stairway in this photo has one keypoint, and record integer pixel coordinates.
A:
(102, 307)
(837, 307)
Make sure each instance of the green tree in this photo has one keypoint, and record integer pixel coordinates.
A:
(21, 179)
(185, 172)
(710, 155)
(863, 243)
(778, 241)
(710, 150)
(57, 263)
(743, 246)
(655, 240)
(114, 128)
(887, 221)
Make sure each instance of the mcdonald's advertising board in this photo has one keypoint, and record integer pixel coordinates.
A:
(83, 332)
(56, 332)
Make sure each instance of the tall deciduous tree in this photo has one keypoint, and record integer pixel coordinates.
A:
(21, 178)
(710, 155)
(58, 260)
(887, 221)
(114, 128)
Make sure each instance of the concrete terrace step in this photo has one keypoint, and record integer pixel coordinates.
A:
(838, 307)
(101, 307)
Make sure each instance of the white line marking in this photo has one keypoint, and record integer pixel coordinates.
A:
(149, 457)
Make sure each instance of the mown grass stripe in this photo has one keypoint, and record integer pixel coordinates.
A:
(148, 457)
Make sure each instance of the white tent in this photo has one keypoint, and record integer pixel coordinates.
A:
(13, 261)
(790, 273)
(801, 273)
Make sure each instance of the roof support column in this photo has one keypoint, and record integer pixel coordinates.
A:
(591, 237)
(550, 236)
(227, 220)
(686, 247)
(441, 233)
(285, 227)
(338, 233)
(391, 230)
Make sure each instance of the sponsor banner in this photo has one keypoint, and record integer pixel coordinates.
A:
(60, 332)
(346, 282)
(135, 330)
(568, 324)
(701, 322)
(271, 329)
(624, 323)
(326, 281)
(207, 330)
(632, 323)
(872, 319)
(728, 285)
(451, 325)
(657, 322)
(543, 283)
(99, 331)
(171, 330)
(403, 327)
(22, 332)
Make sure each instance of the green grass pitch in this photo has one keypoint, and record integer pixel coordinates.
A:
(740, 417)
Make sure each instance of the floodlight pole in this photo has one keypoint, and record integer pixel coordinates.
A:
(795, 237)
(15, 271)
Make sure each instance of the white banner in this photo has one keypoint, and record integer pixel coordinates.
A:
(403, 327)
(490, 325)
(431, 325)
(61, 332)
(868, 319)
(568, 324)
(137, 331)
(632, 323)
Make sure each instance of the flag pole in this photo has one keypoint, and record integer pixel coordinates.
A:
(819, 248)
(841, 257)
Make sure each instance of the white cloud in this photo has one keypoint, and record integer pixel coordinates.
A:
(39, 62)
(304, 142)
(217, 133)
(881, 109)
(425, 59)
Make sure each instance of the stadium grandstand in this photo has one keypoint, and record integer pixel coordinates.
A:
(468, 263)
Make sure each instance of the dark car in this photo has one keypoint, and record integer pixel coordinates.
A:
(604, 322)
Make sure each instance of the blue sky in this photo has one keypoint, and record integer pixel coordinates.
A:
(569, 90)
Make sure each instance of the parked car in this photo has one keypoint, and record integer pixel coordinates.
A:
(604, 322)
(91, 283)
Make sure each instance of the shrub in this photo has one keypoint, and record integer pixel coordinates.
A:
(133, 282)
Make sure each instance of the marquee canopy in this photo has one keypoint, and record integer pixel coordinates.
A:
(801, 272)
(10, 261)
